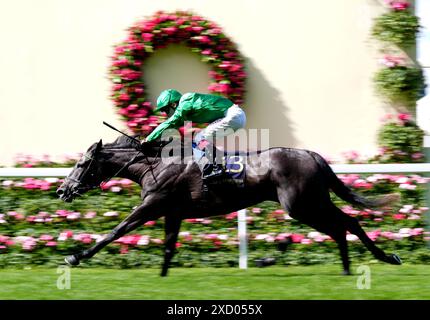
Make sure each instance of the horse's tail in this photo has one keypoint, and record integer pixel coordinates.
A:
(345, 193)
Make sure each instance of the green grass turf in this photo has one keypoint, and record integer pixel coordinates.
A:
(271, 283)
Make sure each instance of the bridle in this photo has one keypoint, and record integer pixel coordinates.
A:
(126, 165)
(87, 186)
(84, 172)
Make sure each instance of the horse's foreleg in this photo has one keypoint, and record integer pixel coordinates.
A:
(172, 226)
(139, 216)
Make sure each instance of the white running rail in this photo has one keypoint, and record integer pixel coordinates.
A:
(338, 168)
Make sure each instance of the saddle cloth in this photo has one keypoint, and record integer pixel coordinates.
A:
(234, 166)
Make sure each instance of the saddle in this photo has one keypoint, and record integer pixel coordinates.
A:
(234, 164)
(233, 172)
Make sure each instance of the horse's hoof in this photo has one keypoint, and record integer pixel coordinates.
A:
(346, 273)
(71, 260)
(395, 259)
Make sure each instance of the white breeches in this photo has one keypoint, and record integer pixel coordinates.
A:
(234, 119)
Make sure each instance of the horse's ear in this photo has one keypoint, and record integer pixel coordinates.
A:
(99, 145)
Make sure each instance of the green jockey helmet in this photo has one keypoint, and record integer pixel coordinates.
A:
(166, 97)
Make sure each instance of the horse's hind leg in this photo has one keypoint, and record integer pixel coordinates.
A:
(324, 219)
(172, 226)
(318, 213)
(340, 237)
(139, 216)
(287, 196)
(354, 227)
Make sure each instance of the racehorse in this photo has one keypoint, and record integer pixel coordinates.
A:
(300, 180)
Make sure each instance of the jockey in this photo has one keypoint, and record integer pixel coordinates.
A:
(200, 108)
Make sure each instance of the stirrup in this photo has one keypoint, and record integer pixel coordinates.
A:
(217, 171)
(205, 188)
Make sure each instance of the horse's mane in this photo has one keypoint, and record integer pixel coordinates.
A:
(122, 142)
(151, 148)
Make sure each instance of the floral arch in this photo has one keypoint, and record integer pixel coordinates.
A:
(145, 37)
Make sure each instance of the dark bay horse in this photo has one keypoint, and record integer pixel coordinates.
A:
(300, 180)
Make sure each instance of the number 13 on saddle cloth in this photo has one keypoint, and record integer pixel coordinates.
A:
(235, 168)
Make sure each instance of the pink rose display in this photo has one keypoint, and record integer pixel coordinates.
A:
(145, 37)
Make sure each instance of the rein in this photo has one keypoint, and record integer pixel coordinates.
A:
(134, 158)
(150, 167)
(128, 163)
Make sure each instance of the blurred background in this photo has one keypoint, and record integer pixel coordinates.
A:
(322, 75)
(309, 63)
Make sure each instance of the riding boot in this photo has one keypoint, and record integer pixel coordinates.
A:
(212, 169)
(217, 171)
